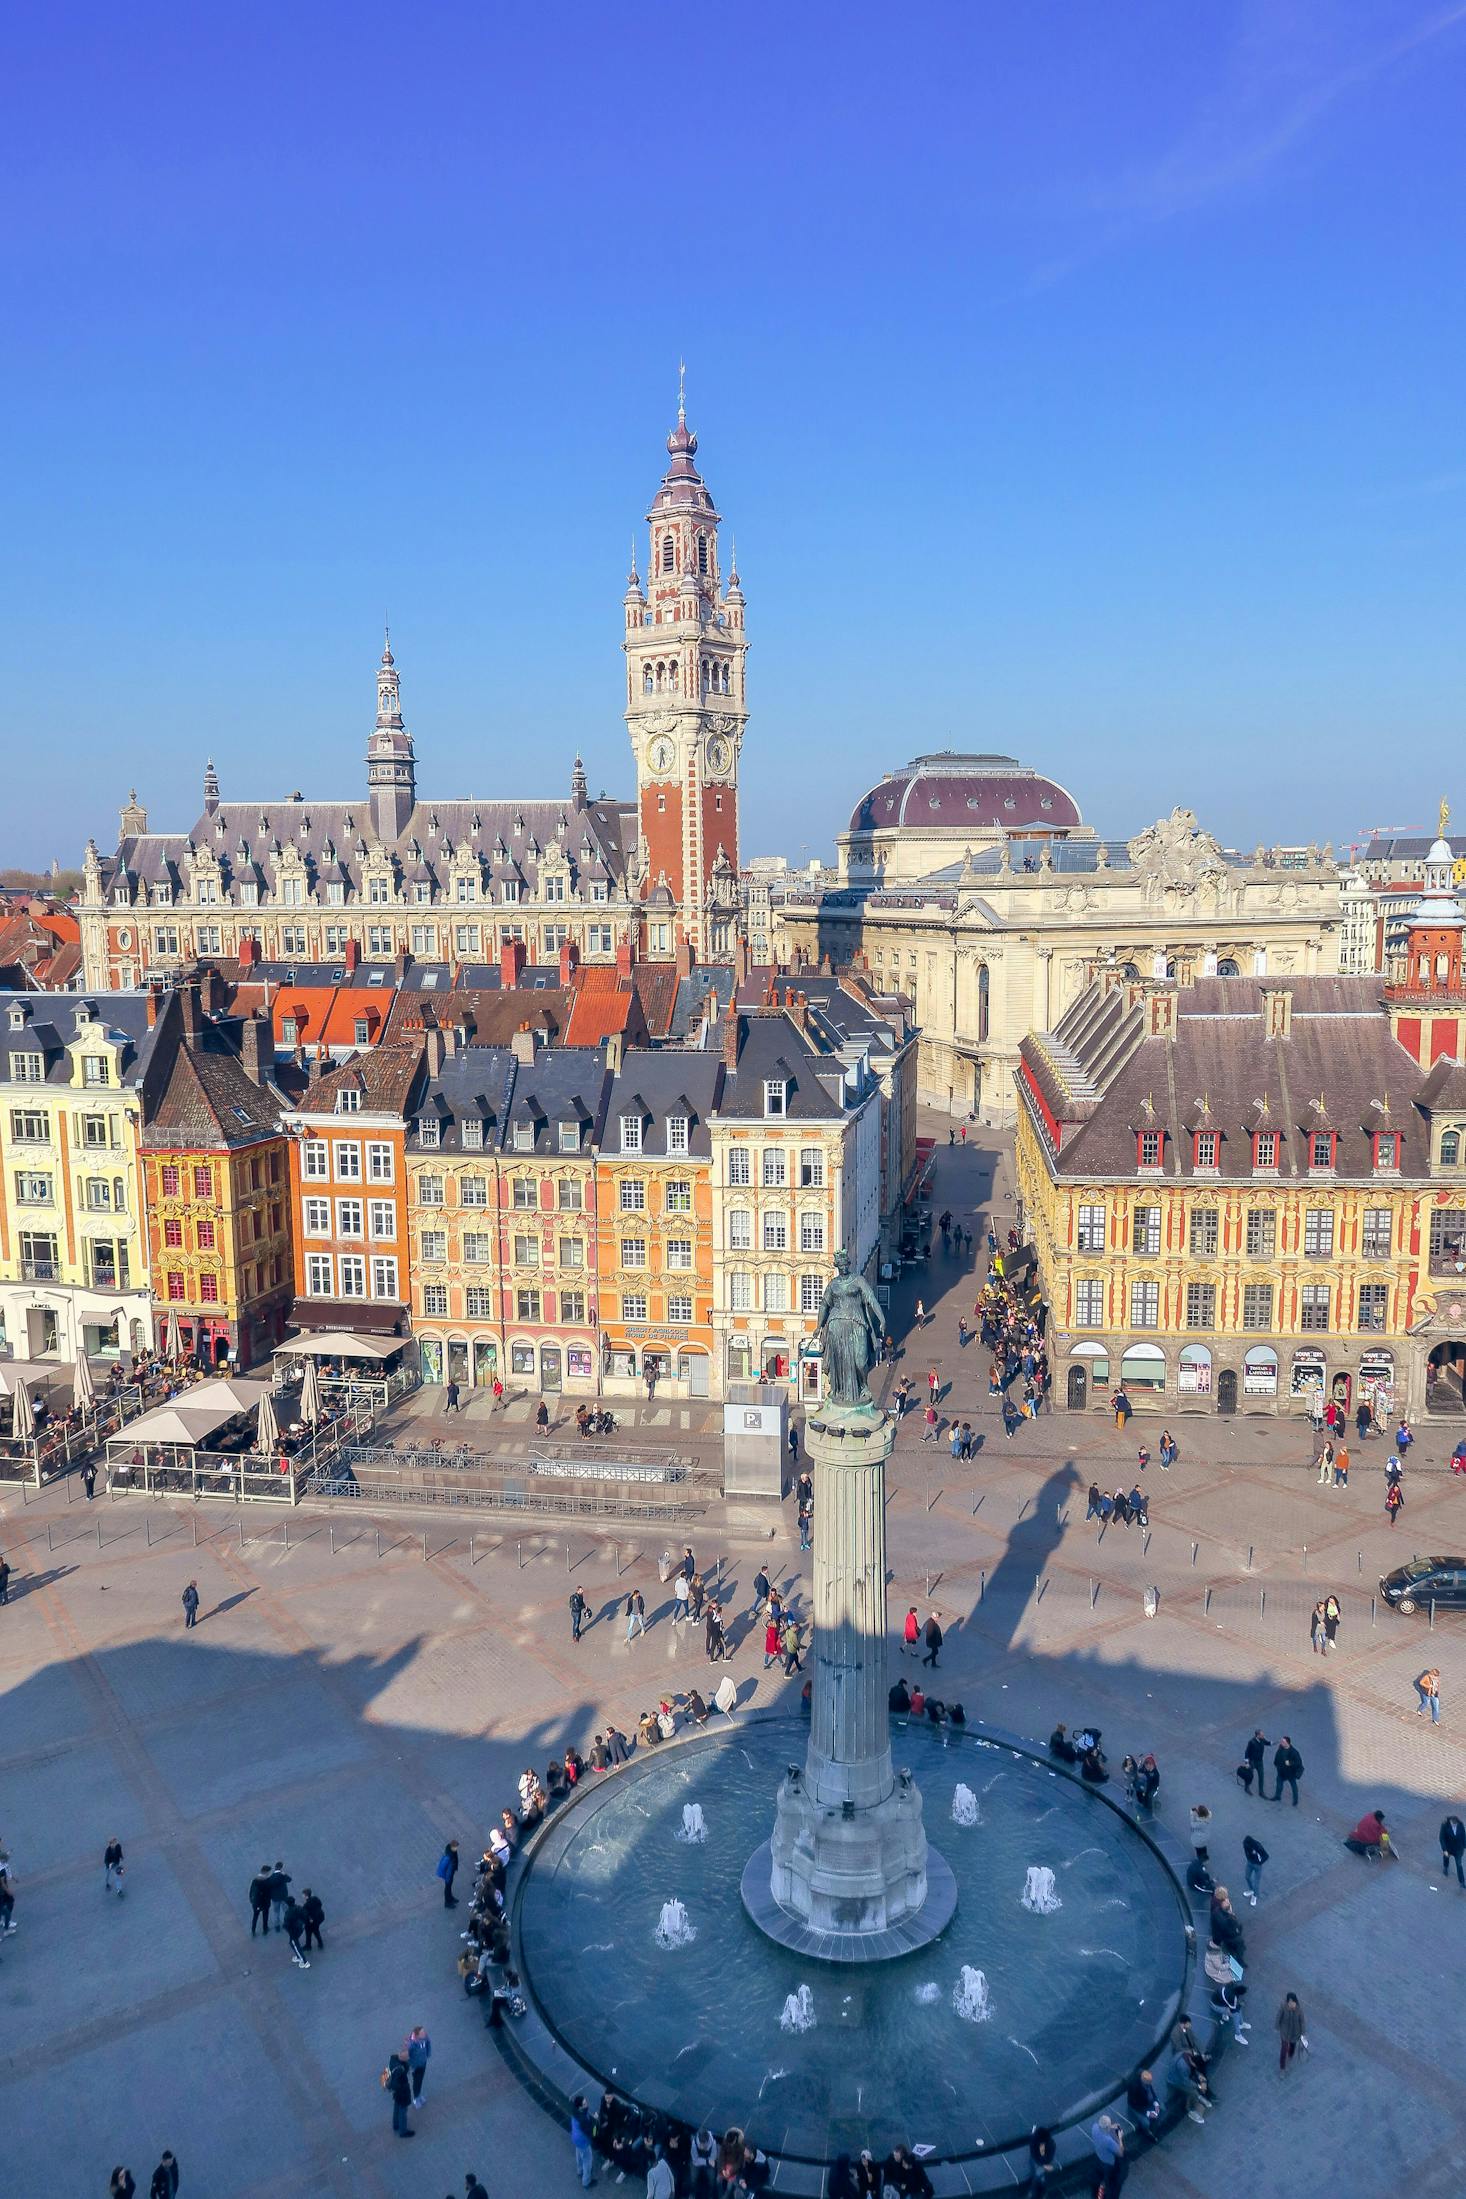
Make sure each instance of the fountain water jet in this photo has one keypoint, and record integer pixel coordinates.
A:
(970, 1996)
(1038, 1891)
(798, 2011)
(964, 1807)
(694, 1829)
(673, 1929)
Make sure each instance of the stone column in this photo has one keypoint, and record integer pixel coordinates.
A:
(849, 1757)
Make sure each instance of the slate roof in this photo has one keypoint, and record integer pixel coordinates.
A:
(507, 838)
(490, 1015)
(658, 1086)
(561, 1084)
(385, 1076)
(770, 1046)
(50, 1021)
(1104, 1077)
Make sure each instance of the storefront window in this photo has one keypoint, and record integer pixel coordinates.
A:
(1144, 1368)
(521, 1359)
(579, 1364)
(431, 1348)
(1260, 1372)
(1194, 1375)
(1307, 1373)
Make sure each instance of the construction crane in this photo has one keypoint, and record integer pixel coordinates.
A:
(1378, 832)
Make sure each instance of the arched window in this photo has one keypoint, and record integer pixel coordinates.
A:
(702, 553)
(672, 675)
(648, 680)
(661, 676)
(1227, 967)
(1128, 970)
(707, 675)
(667, 553)
(725, 679)
(1450, 1148)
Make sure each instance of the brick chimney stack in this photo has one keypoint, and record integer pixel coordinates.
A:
(511, 963)
(683, 957)
(352, 955)
(522, 1045)
(193, 1010)
(730, 1036)
(256, 1049)
(569, 960)
(249, 953)
(625, 956)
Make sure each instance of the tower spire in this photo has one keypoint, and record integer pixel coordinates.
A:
(681, 393)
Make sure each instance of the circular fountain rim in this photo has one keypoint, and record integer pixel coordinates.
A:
(543, 2061)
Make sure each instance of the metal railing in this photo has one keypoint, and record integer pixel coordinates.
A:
(245, 1476)
(54, 1449)
(617, 1461)
(367, 1487)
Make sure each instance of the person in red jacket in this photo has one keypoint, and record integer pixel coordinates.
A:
(910, 1633)
(1371, 1838)
(771, 1643)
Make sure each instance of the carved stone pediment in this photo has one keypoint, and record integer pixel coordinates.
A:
(1174, 852)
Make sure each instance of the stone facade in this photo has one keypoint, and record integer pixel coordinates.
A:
(1002, 942)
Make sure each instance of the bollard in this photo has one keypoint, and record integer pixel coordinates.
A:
(982, 1585)
(1251, 1554)
(287, 1531)
(99, 1534)
(379, 1542)
(241, 1534)
(1432, 1614)
(567, 1557)
(1359, 1554)
(195, 1530)
(519, 1557)
(1194, 1548)
(148, 1530)
(49, 1544)
(1262, 1603)
(331, 1537)
(1373, 1602)
(425, 1546)
(1206, 1605)
(1093, 1594)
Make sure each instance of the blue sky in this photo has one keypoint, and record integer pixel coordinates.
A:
(1080, 382)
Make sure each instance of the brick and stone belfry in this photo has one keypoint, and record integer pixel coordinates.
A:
(685, 709)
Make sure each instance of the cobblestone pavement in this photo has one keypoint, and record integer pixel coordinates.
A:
(348, 1711)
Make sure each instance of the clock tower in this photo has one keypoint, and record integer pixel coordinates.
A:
(685, 710)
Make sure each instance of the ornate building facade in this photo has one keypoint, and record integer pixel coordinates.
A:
(1001, 941)
(394, 872)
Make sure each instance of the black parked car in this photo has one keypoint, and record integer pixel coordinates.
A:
(1424, 1581)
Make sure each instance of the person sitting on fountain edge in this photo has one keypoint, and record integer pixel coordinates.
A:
(898, 1702)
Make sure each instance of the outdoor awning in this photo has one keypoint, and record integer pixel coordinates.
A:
(196, 1415)
(32, 1371)
(339, 1344)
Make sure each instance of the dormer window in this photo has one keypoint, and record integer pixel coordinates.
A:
(570, 1137)
(427, 1131)
(472, 1130)
(677, 1128)
(631, 1133)
(1265, 1150)
(1207, 1144)
(1450, 1148)
(524, 1137)
(1321, 1148)
(348, 1102)
(96, 1069)
(1149, 1147)
(17, 1017)
(1386, 1149)
(289, 1031)
(361, 1031)
(775, 1091)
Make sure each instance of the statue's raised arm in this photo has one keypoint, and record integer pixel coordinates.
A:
(851, 1326)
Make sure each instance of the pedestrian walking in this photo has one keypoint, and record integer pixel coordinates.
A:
(1254, 1855)
(1316, 1634)
(190, 1602)
(122, 2185)
(929, 1432)
(1326, 1465)
(1291, 2034)
(1043, 2153)
(279, 1893)
(806, 1525)
(1428, 1690)
(419, 2051)
(89, 1480)
(578, 1610)
(7, 1897)
(1341, 1465)
(771, 1643)
(793, 1444)
(1287, 1769)
(919, 1319)
(681, 1591)
(165, 2177)
(761, 1587)
(1331, 1617)
(399, 2085)
(112, 1866)
(313, 1911)
(295, 1932)
(448, 1871)
(715, 1641)
(932, 1636)
(933, 1384)
(580, 2130)
(542, 1417)
(1394, 1502)
(1453, 1848)
(789, 1643)
(472, 2188)
(635, 1614)
(450, 1397)
(910, 1632)
(259, 1900)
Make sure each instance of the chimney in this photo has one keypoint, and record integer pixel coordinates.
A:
(615, 1051)
(401, 964)
(1279, 1012)
(511, 963)
(740, 961)
(249, 953)
(730, 1037)
(193, 1010)
(801, 1012)
(683, 957)
(254, 1039)
(433, 1045)
(569, 957)
(522, 1043)
(152, 1006)
(1162, 1015)
(625, 954)
(352, 955)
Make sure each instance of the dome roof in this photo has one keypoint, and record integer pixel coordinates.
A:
(949, 792)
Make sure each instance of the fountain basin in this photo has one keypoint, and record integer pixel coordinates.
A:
(1080, 1998)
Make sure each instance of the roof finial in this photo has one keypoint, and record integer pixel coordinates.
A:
(1445, 815)
(386, 639)
(681, 393)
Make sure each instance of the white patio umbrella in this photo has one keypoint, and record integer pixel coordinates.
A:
(172, 1339)
(269, 1426)
(83, 1389)
(23, 1422)
(310, 1393)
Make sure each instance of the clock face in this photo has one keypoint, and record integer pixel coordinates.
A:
(661, 755)
(720, 754)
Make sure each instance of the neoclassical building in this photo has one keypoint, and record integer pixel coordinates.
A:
(1009, 930)
(398, 872)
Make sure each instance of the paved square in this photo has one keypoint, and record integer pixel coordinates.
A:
(347, 1712)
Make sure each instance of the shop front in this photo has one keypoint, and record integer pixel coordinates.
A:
(1194, 1372)
(1260, 1374)
(1306, 1382)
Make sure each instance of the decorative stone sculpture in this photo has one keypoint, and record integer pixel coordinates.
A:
(851, 1326)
